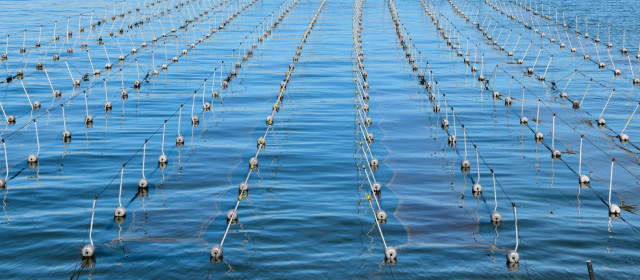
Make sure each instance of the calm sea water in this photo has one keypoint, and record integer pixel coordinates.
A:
(307, 213)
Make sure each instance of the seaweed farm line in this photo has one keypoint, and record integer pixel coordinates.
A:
(384, 139)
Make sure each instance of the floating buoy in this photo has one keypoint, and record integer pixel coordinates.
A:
(88, 250)
(496, 217)
(120, 210)
(523, 120)
(555, 154)
(216, 253)
(613, 208)
(390, 253)
(477, 187)
(243, 187)
(232, 216)
(381, 216)
(253, 163)
(512, 255)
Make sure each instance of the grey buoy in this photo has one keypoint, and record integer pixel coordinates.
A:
(88, 119)
(195, 120)
(373, 162)
(365, 108)
(452, 140)
(602, 122)
(36, 105)
(369, 138)
(476, 188)
(367, 121)
(119, 212)
(481, 78)
(376, 187)
(180, 140)
(11, 119)
(617, 72)
(232, 215)
(496, 217)
(513, 256)
(162, 159)
(88, 251)
(175, 59)
(216, 252)
(124, 94)
(465, 163)
(243, 187)
(556, 154)
(576, 104)
(564, 95)
(390, 253)
(121, 58)
(66, 134)
(164, 67)
(253, 163)
(269, 120)
(39, 65)
(3, 184)
(623, 137)
(507, 101)
(381, 216)
(613, 208)
(185, 52)
(143, 183)
(583, 178)
(436, 108)
(32, 158)
(444, 123)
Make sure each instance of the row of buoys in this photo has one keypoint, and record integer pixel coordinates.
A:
(120, 212)
(76, 83)
(548, 18)
(216, 252)
(576, 104)
(583, 179)
(66, 135)
(495, 217)
(100, 40)
(367, 138)
(246, 52)
(555, 153)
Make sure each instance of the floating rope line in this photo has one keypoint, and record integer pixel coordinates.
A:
(362, 109)
(120, 172)
(216, 252)
(495, 216)
(77, 82)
